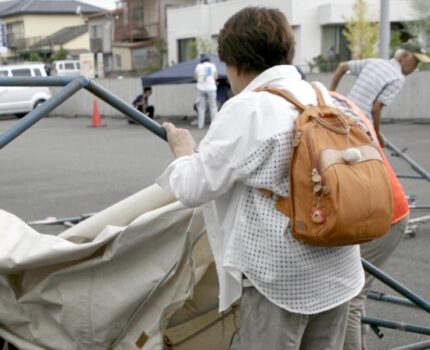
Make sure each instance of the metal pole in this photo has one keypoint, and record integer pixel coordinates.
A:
(420, 219)
(36, 114)
(123, 107)
(389, 298)
(406, 292)
(402, 176)
(384, 33)
(417, 346)
(37, 81)
(411, 162)
(406, 327)
(423, 206)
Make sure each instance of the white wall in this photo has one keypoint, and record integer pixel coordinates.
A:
(306, 16)
(204, 21)
(177, 101)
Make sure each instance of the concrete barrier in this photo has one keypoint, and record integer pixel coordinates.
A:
(176, 101)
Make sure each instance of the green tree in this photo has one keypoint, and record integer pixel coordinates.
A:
(421, 27)
(361, 34)
(34, 56)
(199, 46)
(395, 41)
(61, 54)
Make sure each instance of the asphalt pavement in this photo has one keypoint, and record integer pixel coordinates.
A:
(63, 168)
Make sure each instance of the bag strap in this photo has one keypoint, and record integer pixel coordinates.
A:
(291, 99)
(320, 97)
(344, 129)
(285, 95)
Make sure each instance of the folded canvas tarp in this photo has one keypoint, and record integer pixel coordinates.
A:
(115, 281)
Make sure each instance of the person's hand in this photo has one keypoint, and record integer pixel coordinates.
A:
(381, 139)
(180, 140)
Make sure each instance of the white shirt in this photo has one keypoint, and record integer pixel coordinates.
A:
(205, 73)
(246, 148)
(378, 79)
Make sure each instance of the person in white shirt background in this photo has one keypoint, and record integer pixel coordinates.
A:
(292, 295)
(206, 75)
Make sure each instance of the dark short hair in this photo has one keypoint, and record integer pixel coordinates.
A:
(255, 39)
(147, 88)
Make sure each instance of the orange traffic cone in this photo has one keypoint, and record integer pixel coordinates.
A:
(96, 120)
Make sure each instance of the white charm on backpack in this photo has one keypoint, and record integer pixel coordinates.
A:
(351, 155)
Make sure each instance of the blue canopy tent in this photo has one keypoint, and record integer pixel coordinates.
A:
(182, 73)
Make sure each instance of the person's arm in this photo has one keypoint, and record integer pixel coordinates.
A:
(215, 73)
(376, 115)
(340, 71)
(180, 141)
(195, 77)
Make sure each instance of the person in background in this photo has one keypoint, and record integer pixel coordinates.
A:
(292, 295)
(141, 103)
(380, 80)
(206, 75)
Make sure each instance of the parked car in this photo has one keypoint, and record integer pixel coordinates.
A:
(20, 100)
(65, 67)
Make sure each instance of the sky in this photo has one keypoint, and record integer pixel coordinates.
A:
(106, 4)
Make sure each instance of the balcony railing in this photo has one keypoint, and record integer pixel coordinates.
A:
(96, 45)
(20, 43)
(137, 31)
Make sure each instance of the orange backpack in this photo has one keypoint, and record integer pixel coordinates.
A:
(340, 192)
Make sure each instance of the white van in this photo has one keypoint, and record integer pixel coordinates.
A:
(66, 67)
(20, 100)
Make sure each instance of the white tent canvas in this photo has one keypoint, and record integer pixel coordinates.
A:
(117, 280)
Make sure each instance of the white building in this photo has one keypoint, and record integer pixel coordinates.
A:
(318, 24)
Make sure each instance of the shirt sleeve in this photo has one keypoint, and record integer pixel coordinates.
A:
(206, 175)
(390, 91)
(225, 157)
(356, 66)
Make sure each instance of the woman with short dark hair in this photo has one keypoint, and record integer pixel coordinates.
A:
(293, 295)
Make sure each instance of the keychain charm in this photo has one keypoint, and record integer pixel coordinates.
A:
(317, 216)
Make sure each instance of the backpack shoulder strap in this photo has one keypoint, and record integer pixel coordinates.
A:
(320, 97)
(285, 95)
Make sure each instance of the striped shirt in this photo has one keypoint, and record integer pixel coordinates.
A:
(378, 79)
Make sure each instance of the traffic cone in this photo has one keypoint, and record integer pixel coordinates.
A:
(96, 120)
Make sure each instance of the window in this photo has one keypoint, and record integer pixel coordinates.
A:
(186, 49)
(21, 72)
(69, 66)
(332, 37)
(37, 72)
(78, 65)
(118, 62)
(96, 31)
(137, 14)
(3, 73)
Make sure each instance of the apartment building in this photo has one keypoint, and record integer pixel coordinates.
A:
(27, 22)
(131, 37)
(318, 24)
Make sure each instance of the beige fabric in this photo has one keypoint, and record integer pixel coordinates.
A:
(140, 263)
(264, 325)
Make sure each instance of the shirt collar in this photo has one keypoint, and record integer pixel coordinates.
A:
(271, 74)
(396, 64)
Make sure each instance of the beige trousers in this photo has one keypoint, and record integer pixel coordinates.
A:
(264, 325)
(377, 253)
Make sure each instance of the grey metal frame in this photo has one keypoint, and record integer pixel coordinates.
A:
(71, 86)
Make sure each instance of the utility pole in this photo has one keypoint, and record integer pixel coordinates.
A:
(384, 31)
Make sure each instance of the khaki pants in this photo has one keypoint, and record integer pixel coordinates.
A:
(264, 325)
(377, 253)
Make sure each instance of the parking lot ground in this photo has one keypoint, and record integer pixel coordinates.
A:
(61, 167)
